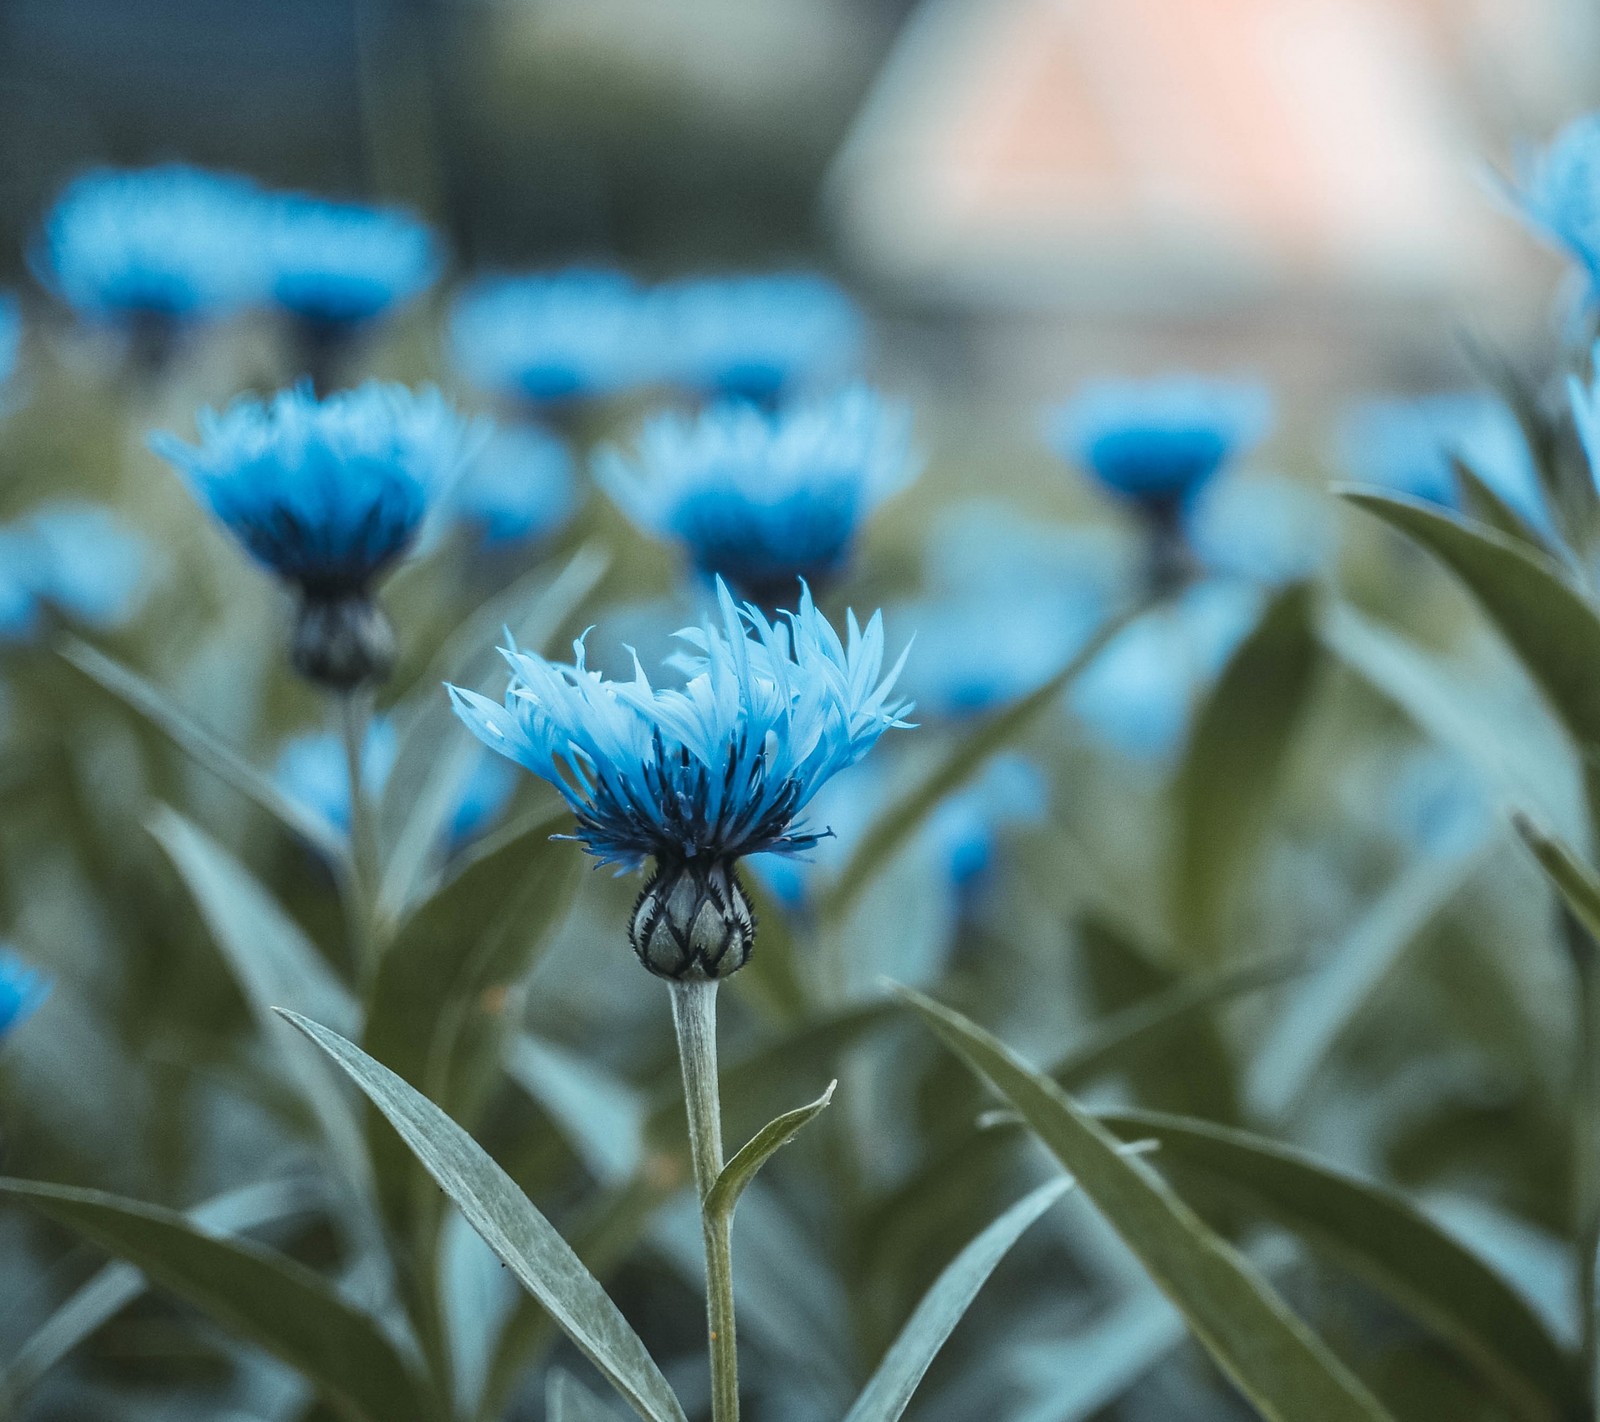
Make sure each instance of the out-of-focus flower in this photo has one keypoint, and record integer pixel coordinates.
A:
(71, 558)
(1558, 191)
(311, 768)
(555, 337)
(765, 499)
(328, 494)
(1585, 398)
(758, 337)
(1139, 693)
(1261, 528)
(700, 775)
(1408, 446)
(23, 989)
(519, 487)
(171, 243)
(10, 335)
(1157, 442)
(342, 264)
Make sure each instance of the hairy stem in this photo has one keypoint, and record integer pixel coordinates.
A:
(694, 1014)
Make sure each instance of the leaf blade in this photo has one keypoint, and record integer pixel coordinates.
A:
(759, 1149)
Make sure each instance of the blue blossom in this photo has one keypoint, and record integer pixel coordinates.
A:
(342, 264)
(1261, 528)
(1159, 441)
(1558, 191)
(311, 768)
(720, 767)
(758, 337)
(762, 498)
(1139, 694)
(325, 493)
(171, 242)
(1408, 446)
(518, 488)
(10, 335)
(555, 337)
(23, 989)
(71, 558)
(1585, 400)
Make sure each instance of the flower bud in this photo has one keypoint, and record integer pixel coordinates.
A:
(693, 920)
(343, 642)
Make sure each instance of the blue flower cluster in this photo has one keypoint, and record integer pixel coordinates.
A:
(1558, 191)
(74, 559)
(325, 493)
(183, 244)
(715, 769)
(1158, 442)
(765, 499)
(23, 990)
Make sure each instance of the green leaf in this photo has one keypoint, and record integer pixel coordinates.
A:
(510, 1225)
(153, 707)
(1574, 880)
(1228, 782)
(911, 1354)
(1550, 626)
(266, 1298)
(567, 1400)
(772, 1137)
(273, 962)
(1484, 505)
(1285, 1370)
(118, 1285)
(898, 821)
(1382, 1238)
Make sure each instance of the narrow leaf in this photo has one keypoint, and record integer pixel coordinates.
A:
(1228, 782)
(911, 1354)
(265, 1297)
(567, 1400)
(205, 748)
(1285, 1370)
(1382, 1238)
(1549, 625)
(510, 1225)
(898, 821)
(1574, 880)
(761, 1147)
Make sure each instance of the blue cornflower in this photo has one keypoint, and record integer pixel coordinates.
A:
(1158, 442)
(519, 488)
(1408, 445)
(1558, 192)
(71, 558)
(764, 499)
(10, 335)
(555, 337)
(758, 337)
(23, 989)
(699, 775)
(328, 494)
(339, 265)
(171, 243)
(311, 768)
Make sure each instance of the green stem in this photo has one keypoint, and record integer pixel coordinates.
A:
(1586, 1148)
(694, 1014)
(355, 719)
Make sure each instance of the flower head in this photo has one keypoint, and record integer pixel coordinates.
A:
(1558, 192)
(72, 558)
(23, 989)
(173, 242)
(758, 337)
(765, 499)
(342, 264)
(554, 337)
(1158, 442)
(518, 488)
(327, 494)
(697, 776)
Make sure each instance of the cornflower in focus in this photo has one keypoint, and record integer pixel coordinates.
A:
(23, 989)
(761, 499)
(328, 495)
(519, 488)
(1558, 193)
(153, 250)
(554, 339)
(698, 776)
(758, 338)
(1157, 443)
(337, 267)
(71, 559)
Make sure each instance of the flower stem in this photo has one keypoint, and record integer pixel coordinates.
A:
(355, 717)
(694, 1014)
